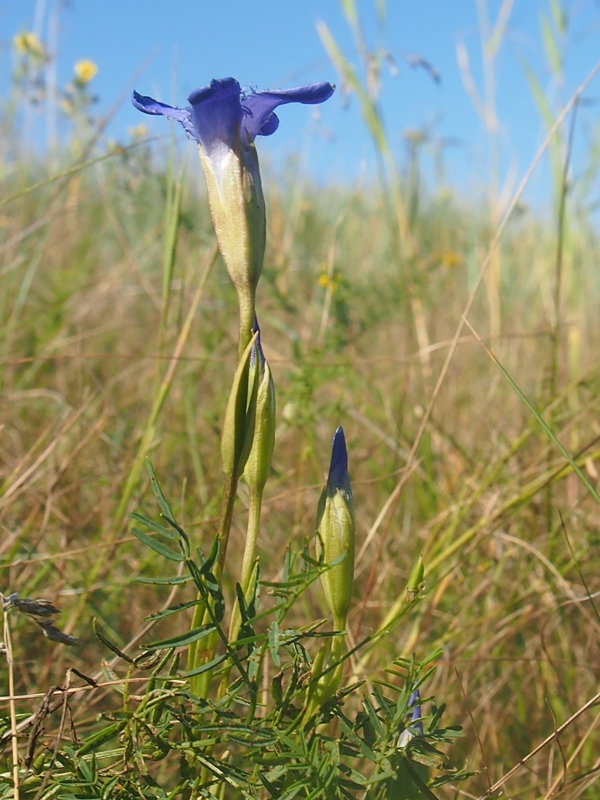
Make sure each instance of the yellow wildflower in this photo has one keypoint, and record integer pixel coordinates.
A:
(85, 71)
(28, 43)
(328, 281)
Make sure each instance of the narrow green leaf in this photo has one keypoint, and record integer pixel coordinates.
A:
(154, 526)
(238, 427)
(208, 563)
(110, 676)
(176, 580)
(87, 770)
(156, 490)
(157, 545)
(274, 641)
(104, 735)
(548, 118)
(173, 609)
(216, 596)
(182, 639)
(206, 667)
(183, 537)
(372, 715)
(196, 577)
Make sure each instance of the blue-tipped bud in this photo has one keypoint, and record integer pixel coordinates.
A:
(335, 533)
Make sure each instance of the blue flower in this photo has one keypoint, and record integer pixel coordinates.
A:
(224, 121)
(221, 114)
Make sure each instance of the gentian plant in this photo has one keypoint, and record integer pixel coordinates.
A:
(267, 707)
(225, 121)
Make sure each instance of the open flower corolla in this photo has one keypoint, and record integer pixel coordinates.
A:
(220, 116)
(224, 121)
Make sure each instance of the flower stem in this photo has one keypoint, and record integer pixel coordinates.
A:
(204, 651)
(248, 560)
(247, 305)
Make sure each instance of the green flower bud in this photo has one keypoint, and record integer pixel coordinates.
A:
(415, 580)
(258, 463)
(238, 426)
(335, 533)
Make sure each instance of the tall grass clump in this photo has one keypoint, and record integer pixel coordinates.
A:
(197, 601)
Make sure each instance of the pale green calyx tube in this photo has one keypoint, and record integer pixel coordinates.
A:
(237, 208)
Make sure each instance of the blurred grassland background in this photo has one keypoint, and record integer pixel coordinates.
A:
(118, 338)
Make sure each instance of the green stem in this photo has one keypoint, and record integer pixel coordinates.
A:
(247, 304)
(246, 576)
(248, 560)
(204, 651)
(200, 652)
(326, 683)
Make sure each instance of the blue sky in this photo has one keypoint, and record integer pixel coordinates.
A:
(166, 49)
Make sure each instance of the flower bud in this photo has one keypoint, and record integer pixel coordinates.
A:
(258, 463)
(238, 425)
(415, 580)
(335, 533)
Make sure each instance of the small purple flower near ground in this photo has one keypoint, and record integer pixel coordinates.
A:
(415, 726)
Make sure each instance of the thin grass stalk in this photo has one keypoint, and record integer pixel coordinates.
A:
(511, 505)
(162, 394)
(555, 336)
(548, 740)
(543, 424)
(122, 511)
(11, 325)
(67, 173)
(12, 705)
(172, 218)
(490, 45)
(486, 263)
